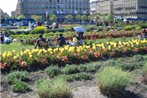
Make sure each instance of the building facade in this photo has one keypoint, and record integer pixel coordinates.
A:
(104, 7)
(93, 7)
(130, 8)
(123, 8)
(13, 13)
(58, 7)
(3, 15)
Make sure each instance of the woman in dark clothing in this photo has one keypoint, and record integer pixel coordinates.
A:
(61, 40)
(41, 42)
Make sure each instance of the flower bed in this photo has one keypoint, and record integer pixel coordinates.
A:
(40, 58)
(88, 35)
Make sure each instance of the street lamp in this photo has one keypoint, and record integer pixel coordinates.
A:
(46, 15)
(75, 13)
(59, 6)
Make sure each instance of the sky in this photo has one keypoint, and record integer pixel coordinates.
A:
(10, 5)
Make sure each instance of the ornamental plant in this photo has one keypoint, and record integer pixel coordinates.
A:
(40, 58)
(17, 75)
(20, 87)
(112, 81)
(144, 79)
(53, 71)
(56, 88)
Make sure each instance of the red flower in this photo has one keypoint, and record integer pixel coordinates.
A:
(64, 58)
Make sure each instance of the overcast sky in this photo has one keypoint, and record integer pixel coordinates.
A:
(10, 5)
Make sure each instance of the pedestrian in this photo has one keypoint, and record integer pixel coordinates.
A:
(7, 39)
(1, 38)
(61, 40)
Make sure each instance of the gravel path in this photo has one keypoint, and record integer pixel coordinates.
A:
(87, 92)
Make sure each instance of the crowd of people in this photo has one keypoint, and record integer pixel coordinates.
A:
(143, 35)
(76, 40)
(61, 41)
(4, 38)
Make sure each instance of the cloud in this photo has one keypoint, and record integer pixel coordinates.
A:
(8, 5)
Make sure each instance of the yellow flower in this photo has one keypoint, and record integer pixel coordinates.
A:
(9, 54)
(21, 53)
(4, 54)
(30, 56)
(13, 51)
(15, 57)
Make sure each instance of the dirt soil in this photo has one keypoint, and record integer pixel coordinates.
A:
(80, 89)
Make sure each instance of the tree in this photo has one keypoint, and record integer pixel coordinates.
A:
(110, 19)
(84, 17)
(69, 17)
(53, 17)
(97, 17)
(12, 17)
(78, 17)
(37, 18)
(21, 17)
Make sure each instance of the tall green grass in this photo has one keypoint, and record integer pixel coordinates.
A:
(112, 81)
(56, 88)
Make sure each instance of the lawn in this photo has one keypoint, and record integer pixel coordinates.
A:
(17, 46)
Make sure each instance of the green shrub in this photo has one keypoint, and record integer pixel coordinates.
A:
(145, 68)
(17, 75)
(112, 80)
(109, 63)
(143, 25)
(77, 77)
(71, 69)
(138, 58)
(100, 28)
(56, 88)
(130, 66)
(144, 75)
(82, 68)
(91, 68)
(138, 28)
(53, 71)
(129, 27)
(20, 87)
(39, 29)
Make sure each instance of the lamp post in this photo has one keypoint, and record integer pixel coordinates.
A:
(59, 12)
(75, 13)
(46, 15)
(80, 15)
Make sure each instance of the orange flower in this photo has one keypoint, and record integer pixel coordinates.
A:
(136, 50)
(97, 54)
(124, 51)
(84, 57)
(3, 65)
(36, 59)
(44, 61)
(23, 64)
(111, 54)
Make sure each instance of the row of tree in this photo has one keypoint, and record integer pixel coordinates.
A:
(53, 17)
